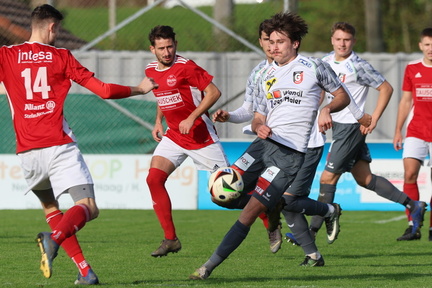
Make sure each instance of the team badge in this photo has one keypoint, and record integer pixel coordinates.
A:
(298, 77)
(342, 77)
(171, 80)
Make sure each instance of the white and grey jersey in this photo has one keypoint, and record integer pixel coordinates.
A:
(357, 75)
(290, 96)
(245, 112)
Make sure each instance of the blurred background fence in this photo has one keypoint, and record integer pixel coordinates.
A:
(110, 38)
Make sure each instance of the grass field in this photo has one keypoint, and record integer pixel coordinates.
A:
(119, 243)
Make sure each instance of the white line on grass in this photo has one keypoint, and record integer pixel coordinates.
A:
(394, 219)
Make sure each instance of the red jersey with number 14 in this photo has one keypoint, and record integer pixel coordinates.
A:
(418, 81)
(179, 93)
(37, 78)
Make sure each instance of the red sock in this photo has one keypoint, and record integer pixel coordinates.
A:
(411, 189)
(264, 218)
(161, 202)
(70, 245)
(72, 221)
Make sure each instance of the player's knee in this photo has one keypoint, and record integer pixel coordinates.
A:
(94, 212)
(289, 202)
(156, 177)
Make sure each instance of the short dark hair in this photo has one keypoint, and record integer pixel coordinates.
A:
(46, 12)
(344, 26)
(290, 24)
(161, 31)
(427, 32)
(264, 27)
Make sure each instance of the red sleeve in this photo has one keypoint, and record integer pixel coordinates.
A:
(107, 90)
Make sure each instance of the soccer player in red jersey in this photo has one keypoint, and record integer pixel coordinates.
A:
(37, 77)
(416, 97)
(184, 95)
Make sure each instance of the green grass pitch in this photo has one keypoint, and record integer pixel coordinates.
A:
(118, 246)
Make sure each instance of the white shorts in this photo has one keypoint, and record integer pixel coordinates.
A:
(57, 167)
(418, 149)
(208, 158)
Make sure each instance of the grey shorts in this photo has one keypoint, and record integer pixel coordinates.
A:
(268, 168)
(347, 148)
(302, 183)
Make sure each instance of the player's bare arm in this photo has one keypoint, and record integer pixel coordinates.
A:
(212, 94)
(158, 128)
(259, 126)
(385, 92)
(340, 101)
(405, 106)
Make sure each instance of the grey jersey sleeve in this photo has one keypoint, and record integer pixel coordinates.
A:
(366, 74)
(327, 78)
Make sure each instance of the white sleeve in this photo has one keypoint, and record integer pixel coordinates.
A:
(242, 114)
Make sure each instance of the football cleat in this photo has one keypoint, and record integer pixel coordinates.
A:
(417, 216)
(309, 262)
(275, 239)
(201, 273)
(291, 239)
(167, 246)
(48, 248)
(90, 279)
(408, 235)
(332, 224)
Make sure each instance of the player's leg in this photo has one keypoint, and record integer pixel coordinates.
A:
(70, 245)
(383, 187)
(299, 227)
(414, 153)
(327, 192)
(347, 138)
(265, 155)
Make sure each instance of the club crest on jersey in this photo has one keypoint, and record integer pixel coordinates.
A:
(270, 83)
(171, 80)
(342, 77)
(298, 77)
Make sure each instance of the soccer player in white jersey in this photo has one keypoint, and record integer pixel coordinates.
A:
(348, 151)
(416, 96)
(303, 181)
(245, 114)
(284, 113)
(184, 95)
(37, 77)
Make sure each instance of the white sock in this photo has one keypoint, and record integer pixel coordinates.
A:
(315, 255)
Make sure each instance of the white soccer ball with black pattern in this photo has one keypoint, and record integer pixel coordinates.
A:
(225, 184)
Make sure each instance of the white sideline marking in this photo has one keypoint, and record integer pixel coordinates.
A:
(394, 219)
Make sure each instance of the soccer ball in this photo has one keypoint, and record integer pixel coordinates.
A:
(225, 184)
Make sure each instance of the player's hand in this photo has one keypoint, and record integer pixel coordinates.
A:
(147, 84)
(220, 116)
(324, 120)
(157, 132)
(397, 141)
(263, 131)
(366, 120)
(370, 128)
(186, 125)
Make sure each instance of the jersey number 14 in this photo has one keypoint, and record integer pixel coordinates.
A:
(40, 83)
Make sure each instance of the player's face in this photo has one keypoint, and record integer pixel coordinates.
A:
(283, 50)
(165, 51)
(426, 47)
(264, 42)
(343, 44)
